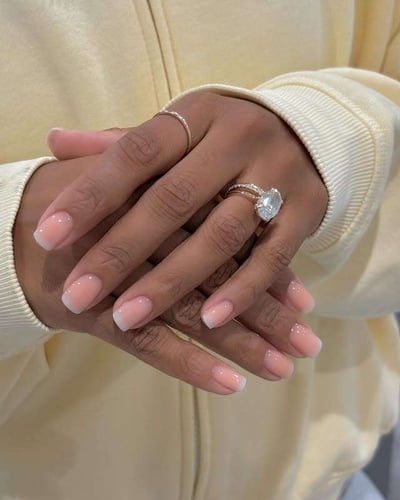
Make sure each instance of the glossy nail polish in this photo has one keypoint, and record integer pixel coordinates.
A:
(218, 314)
(300, 297)
(278, 364)
(132, 313)
(229, 378)
(53, 230)
(304, 340)
(82, 293)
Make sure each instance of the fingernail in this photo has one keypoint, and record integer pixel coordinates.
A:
(132, 313)
(81, 293)
(55, 129)
(218, 314)
(300, 297)
(229, 378)
(53, 230)
(305, 341)
(278, 364)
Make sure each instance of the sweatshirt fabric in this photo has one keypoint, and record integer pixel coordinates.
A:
(80, 419)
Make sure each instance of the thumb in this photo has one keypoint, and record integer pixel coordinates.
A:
(66, 144)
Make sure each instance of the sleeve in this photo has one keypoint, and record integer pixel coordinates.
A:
(349, 121)
(20, 330)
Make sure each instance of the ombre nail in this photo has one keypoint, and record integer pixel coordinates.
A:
(229, 378)
(53, 230)
(300, 297)
(278, 364)
(82, 293)
(217, 315)
(304, 340)
(132, 313)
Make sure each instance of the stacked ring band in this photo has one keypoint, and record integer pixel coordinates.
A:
(267, 203)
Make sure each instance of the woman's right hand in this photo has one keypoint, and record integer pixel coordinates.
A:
(42, 275)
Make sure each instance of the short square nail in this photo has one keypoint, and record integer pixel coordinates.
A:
(53, 230)
(278, 364)
(300, 297)
(304, 340)
(217, 315)
(229, 378)
(132, 313)
(82, 293)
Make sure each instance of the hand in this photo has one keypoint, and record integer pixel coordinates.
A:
(41, 276)
(260, 138)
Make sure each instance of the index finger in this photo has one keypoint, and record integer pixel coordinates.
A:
(144, 152)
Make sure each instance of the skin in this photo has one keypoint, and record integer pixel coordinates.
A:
(262, 335)
(260, 148)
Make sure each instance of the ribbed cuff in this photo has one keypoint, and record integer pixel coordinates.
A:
(346, 145)
(20, 329)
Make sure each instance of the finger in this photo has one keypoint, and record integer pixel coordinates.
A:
(219, 238)
(167, 205)
(158, 346)
(233, 341)
(270, 256)
(66, 143)
(146, 151)
(290, 291)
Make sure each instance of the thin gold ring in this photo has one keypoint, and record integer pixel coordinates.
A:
(183, 122)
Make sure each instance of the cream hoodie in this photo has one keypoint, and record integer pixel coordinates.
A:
(80, 419)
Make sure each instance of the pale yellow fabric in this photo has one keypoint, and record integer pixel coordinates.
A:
(80, 419)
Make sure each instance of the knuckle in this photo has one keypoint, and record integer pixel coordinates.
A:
(118, 257)
(174, 197)
(227, 234)
(249, 348)
(186, 312)
(191, 364)
(148, 340)
(222, 274)
(140, 148)
(276, 257)
(268, 319)
(89, 196)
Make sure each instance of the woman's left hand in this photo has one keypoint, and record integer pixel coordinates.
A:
(232, 141)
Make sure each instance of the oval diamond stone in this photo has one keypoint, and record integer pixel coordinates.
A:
(268, 204)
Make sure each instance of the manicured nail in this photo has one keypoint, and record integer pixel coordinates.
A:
(218, 314)
(132, 313)
(304, 340)
(229, 378)
(300, 297)
(53, 230)
(81, 293)
(55, 129)
(278, 364)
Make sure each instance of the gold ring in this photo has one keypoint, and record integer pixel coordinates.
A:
(183, 122)
(267, 203)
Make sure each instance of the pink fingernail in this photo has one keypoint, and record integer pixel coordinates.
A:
(218, 314)
(300, 297)
(278, 364)
(53, 230)
(132, 313)
(305, 341)
(229, 378)
(82, 293)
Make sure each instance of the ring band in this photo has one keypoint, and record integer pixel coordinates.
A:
(183, 122)
(267, 203)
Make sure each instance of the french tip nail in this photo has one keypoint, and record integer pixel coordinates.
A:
(67, 303)
(41, 241)
(119, 322)
(56, 129)
(229, 378)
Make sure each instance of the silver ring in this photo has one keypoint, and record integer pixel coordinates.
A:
(183, 122)
(267, 203)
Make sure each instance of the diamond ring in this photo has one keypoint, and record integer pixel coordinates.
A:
(267, 203)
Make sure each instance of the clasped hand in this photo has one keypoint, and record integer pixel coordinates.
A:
(206, 269)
